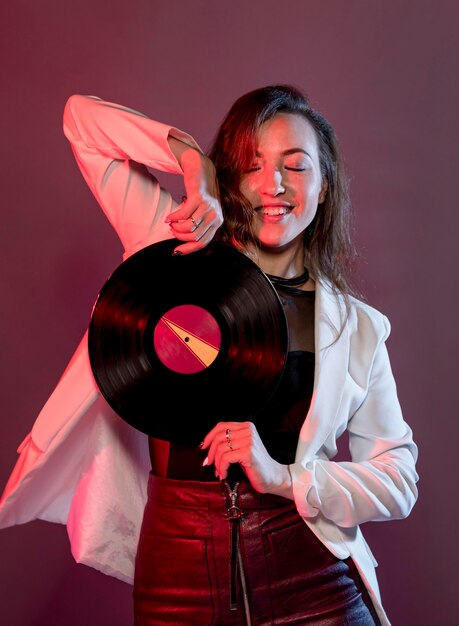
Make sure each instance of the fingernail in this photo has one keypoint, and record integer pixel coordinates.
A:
(201, 444)
(206, 461)
(177, 253)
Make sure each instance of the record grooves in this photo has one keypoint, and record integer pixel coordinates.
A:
(178, 343)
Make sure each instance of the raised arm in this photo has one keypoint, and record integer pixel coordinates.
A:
(115, 148)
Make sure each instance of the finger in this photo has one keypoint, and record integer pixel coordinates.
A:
(193, 229)
(218, 443)
(223, 455)
(201, 217)
(182, 211)
(211, 434)
(221, 427)
(188, 248)
(193, 241)
(192, 215)
(229, 458)
(184, 227)
(237, 441)
(228, 441)
(185, 230)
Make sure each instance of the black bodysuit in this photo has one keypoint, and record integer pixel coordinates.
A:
(279, 423)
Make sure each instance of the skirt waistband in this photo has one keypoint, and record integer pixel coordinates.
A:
(193, 494)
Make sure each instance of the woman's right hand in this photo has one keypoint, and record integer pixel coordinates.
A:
(199, 216)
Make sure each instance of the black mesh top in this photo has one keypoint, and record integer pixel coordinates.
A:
(279, 423)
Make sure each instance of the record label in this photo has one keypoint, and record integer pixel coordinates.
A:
(187, 339)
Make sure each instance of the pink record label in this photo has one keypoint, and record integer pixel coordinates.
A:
(187, 339)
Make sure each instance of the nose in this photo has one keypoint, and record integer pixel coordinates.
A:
(271, 183)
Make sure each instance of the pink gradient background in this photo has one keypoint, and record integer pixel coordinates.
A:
(383, 73)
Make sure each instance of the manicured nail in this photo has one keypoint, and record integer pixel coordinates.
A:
(206, 461)
(177, 253)
(201, 444)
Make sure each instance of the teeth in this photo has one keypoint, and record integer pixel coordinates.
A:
(280, 210)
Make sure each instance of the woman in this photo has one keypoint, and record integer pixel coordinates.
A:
(258, 525)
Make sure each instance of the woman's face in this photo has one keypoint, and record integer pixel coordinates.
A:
(284, 184)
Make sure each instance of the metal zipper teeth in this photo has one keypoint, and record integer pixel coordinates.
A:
(234, 515)
(243, 586)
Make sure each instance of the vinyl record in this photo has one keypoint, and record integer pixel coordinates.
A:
(179, 343)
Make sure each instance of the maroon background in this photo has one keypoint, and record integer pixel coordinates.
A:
(382, 72)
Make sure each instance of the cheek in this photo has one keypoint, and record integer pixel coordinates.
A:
(246, 190)
(310, 193)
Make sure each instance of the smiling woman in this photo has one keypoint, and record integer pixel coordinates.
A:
(258, 524)
(307, 155)
(284, 186)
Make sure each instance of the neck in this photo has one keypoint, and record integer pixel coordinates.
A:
(283, 263)
(297, 281)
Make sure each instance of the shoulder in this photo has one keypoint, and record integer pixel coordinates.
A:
(356, 316)
(368, 327)
(366, 313)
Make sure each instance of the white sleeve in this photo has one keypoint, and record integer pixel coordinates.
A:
(380, 481)
(113, 146)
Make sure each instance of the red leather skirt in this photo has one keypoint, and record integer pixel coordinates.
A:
(211, 554)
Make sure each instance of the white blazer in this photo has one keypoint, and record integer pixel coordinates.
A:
(83, 466)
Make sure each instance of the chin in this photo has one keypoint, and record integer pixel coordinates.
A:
(270, 244)
(269, 239)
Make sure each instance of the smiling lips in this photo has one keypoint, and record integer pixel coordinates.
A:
(275, 209)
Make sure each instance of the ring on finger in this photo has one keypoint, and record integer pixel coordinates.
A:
(195, 223)
(228, 439)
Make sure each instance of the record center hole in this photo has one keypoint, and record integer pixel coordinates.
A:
(187, 339)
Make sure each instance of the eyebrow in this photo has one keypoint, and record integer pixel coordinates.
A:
(288, 152)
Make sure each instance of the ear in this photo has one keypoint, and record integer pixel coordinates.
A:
(323, 191)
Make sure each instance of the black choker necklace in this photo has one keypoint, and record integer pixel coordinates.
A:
(296, 281)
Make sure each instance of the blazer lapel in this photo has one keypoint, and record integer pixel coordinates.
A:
(331, 366)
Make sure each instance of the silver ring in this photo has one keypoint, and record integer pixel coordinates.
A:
(194, 223)
(228, 439)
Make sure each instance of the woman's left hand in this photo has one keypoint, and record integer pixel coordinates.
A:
(239, 442)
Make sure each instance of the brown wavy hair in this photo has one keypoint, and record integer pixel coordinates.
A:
(329, 252)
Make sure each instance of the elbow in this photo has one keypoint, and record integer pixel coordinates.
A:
(398, 497)
(398, 478)
(70, 116)
(393, 498)
(408, 498)
(405, 478)
(74, 110)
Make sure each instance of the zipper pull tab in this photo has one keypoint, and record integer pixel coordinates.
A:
(233, 511)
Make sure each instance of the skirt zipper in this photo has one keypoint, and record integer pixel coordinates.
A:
(234, 516)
